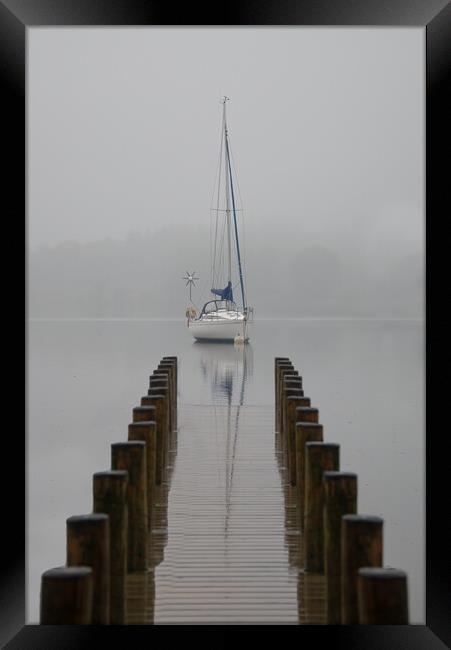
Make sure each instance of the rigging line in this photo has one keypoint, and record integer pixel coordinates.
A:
(236, 173)
(218, 169)
(217, 203)
(202, 293)
(243, 221)
(221, 263)
(234, 219)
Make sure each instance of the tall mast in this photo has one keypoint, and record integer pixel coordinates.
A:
(229, 168)
(228, 181)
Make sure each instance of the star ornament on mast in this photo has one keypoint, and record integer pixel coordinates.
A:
(190, 277)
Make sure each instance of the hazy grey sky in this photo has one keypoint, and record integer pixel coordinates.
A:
(327, 129)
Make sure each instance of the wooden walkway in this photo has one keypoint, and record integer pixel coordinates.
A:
(225, 545)
(206, 516)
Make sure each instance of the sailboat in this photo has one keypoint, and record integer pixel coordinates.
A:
(221, 318)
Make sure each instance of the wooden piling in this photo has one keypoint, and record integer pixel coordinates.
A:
(340, 498)
(110, 497)
(164, 393)
(361, 546)
(319, 458)
(286, 392)
(285, 367)
(307, 414)
(282, 371)
(147, 432)
(295, 386)
(174, 361)
(305, 432)
(382, 596)
(160, 417)
(161, 384)
(159, 380)
(88, 544)
(66, 596)
(277, 362)
(292, 381)
(292, 403)
(170, 365)
(144, 413)
(168, 373)
(131, 456)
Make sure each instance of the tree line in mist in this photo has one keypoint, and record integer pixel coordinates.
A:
(141, 277)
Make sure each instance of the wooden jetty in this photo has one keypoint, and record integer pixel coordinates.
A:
(215, 514)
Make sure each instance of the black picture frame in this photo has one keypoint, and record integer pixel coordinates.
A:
(435, 17)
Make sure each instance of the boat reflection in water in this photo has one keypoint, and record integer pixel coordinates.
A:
(225, 368)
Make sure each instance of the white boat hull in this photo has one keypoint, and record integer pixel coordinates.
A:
(219, 330)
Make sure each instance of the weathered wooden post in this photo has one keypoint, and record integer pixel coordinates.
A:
(161, 383)
(319, 458)
(382, 596)
(305, 432)
(288, 367)
(288, 380)
(361, 546)
(144, 413)
(287, 391)
(278, 361)
(160, 380)
(131, 456)
(340, 498)
(147, 432)
(88, 544)
(66, 596)
(292, 402)
(307, 414)
(172, 367)
(160, 416)
(110, 497)
(167, 428)
(282, 370)
(174, 362)
(167, 373)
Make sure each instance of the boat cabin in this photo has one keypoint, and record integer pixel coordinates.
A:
(218, 305)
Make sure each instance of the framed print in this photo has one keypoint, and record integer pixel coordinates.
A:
(323, 115)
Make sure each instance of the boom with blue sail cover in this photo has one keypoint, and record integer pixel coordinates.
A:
(226, 293)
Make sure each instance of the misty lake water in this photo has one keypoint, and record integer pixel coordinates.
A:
(365, 377)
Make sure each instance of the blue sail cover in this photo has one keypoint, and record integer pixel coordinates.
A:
(225, 294)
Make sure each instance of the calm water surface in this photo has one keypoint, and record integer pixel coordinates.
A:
(366, 378)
